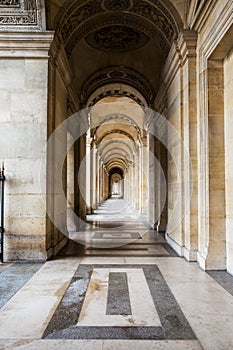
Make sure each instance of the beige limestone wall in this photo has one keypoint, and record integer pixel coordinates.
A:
(23, 130)
(228, 96)
(214, 41)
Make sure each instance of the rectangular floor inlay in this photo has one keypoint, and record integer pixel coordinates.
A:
(117, 235)
(82, 313)
(118, 300)
(93, 311)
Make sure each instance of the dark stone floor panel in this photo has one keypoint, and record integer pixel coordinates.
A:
(143, 333)
(224, 279)
(118, 301)
(14, 277)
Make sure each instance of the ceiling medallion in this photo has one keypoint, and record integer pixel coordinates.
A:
(117, 39)
(116, 5)
(116, 74)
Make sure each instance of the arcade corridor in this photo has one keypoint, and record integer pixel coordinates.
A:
(116, 134)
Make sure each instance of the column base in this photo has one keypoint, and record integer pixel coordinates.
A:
(175, 246)
(190, 255)
(206, 264)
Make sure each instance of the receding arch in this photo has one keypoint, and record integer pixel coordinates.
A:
(120, 117)
(117, 162)
(119, 81)
(115, 131)
(115, 155)
(120, 150)
(121, 142)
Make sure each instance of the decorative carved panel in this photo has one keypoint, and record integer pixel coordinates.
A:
(15, 14)
(117, 5)
(117, 39)
(9, 3)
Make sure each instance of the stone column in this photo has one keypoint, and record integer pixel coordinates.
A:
(126, 187)
(145, 173)
(153, 181)
(212, 238)
(80, 171)
(187, 44)
(172, 77)
(136, 157)
(100, 181)
(88, 175)
(23, 128)
(82, 178)
(92, 176)
(228, 93)
(162, 183)
(97, 179)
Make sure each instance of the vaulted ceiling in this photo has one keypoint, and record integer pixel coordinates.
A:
(122, 42)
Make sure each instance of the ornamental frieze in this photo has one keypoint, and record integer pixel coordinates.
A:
(9, 3)
(20, 13)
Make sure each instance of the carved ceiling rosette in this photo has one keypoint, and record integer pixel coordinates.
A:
(117, 38)
(117, 5)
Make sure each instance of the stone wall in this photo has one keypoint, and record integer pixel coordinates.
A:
(195, 81)
(23, 128)
(228, 88)
(214, 43)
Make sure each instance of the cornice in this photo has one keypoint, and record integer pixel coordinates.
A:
(25, 44)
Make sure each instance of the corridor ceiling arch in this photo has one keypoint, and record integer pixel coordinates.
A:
(124, 118)
(115, 131)
(117, 81)
(117, 89)
(119, 151)
(107, 147)
(156, 18)
(114, 48)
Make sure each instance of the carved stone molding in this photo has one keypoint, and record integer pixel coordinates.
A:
(116, 89)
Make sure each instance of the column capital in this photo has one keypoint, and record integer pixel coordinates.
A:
(187, 44)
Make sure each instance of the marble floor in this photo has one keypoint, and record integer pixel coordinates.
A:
(109, 301)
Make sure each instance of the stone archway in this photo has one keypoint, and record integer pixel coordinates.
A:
(84, 69)
(74, 48)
